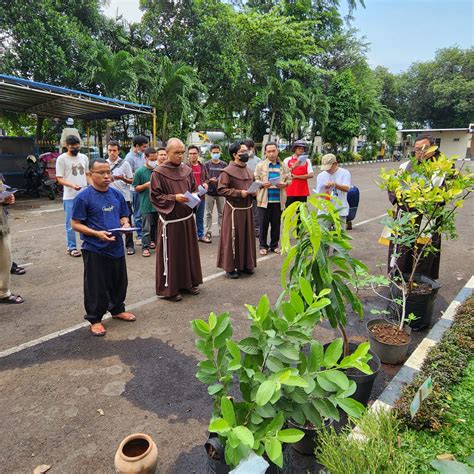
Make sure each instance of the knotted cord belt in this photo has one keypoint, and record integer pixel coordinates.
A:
(164, 236)
(233, 223)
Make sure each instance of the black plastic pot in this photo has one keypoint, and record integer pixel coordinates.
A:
(420, 305)
(219, 466)
(308, 443)
(363, 381)
(388, 353)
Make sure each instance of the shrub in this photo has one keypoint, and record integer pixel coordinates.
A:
(445, 363)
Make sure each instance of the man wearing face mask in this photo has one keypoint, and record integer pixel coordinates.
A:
(141, 182)
(237, 249)
(71, 169)
(214, 168)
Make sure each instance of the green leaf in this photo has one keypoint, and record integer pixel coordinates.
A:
(233, 349)
(221, 325)
(265, 392)
(206, 377)
(213, 389)
(333, 353)
(289, 351)
(227, 410)
(290, 436)
(288, 311)
(451, 467)
(200, 327)
(244, 435)
(267, 411)
(212, 321)
(339, 378)
(351, 407)
(326, 384)
(296, 302)
(255, 418)
(249, 345)
(316, 356)
(273, 449)
(219, 425)
(324, 292)
(306, 290)
(263, 308)
(295, 381)
(234, 365)
(274, 364)
(326, 408)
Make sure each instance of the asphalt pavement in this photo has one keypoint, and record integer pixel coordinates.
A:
(56, 380)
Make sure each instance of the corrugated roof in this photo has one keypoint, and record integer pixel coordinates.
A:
(22, 95)
(428, 130)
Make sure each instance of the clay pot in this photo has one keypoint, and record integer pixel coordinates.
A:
(137, 454)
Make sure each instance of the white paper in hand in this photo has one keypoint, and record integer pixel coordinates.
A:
(274, 181)
(253, 464)
(194, 200)
(254, 187)
(201, 190)
(302, 159)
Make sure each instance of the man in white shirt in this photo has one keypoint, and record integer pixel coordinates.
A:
(122, 177)
(335, 182)
(71, 169)
(254, 160)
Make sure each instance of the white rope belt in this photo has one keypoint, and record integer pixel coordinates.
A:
(233, 223)
(164, 236)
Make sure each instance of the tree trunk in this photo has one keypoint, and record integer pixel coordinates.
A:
(271, 126)
(39, 128)
(164, 135)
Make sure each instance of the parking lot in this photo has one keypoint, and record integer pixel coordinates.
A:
(57, 380)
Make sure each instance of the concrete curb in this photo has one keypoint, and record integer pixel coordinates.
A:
(413, 364)
(369, 162)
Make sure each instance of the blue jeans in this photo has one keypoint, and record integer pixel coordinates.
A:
(70, 234)
(200, 218)
(137, 217)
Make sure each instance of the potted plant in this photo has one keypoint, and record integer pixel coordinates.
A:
(320, 262)
(427, 194)
(255, 381)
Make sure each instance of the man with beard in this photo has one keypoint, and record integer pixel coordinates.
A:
(237, 250)
(178, 266)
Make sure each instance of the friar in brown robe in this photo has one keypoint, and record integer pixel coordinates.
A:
(178, 265)
(428, 265)
(237, 247)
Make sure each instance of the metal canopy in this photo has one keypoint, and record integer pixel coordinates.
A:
(24, 96)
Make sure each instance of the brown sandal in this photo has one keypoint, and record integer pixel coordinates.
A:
(263, 251)
(146, 253)
(125, 317)
(98, 330)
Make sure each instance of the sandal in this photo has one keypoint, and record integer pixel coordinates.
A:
(16, 270)
(130, 251)
(74, 253)
(263, 251)
(97, 329)
(146, 253)
(152, 245)
(276, 250)
(129, 317)
(177, 297)
(12, 299)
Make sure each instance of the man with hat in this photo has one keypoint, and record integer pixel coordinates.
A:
(301, 171)
(335, 182)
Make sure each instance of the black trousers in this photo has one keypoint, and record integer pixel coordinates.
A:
(270, 217)
(129, 235)
(292, 199)
(105, 285)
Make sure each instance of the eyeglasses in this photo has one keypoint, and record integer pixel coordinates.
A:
(103, 173)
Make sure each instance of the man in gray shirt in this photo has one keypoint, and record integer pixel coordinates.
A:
(254, 160)
(136, 158)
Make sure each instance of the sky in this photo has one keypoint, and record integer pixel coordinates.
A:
(400, 32)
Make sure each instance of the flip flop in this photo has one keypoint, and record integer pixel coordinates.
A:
(130, 251)
(74, 253)
(17, 271)
(97, 330)
(277, 250)
(153, 245)
(263, 251)
(12, 299)
(129, 317)
(146, 253)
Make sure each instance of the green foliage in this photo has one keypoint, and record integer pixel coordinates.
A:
(445, 363)
(321, 257)
(276, 379)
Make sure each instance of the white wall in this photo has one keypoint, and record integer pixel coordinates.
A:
(450, 147)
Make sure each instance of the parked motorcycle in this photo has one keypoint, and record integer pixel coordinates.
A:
(37, 182)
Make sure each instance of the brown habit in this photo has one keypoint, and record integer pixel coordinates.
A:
(184, 264)
(232, 180)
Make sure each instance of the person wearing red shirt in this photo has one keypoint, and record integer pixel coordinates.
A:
(298, 190)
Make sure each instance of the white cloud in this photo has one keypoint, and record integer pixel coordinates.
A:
(127, 8)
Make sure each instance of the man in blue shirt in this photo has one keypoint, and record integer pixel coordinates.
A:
(136, 159)
(96, 210)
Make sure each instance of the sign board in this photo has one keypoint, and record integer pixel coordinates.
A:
(471, 128)
(425, 389)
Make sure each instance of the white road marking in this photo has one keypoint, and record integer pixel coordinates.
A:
(139, 304)
(56, 209)
(25, 264)
(369, 220)
(40, 228)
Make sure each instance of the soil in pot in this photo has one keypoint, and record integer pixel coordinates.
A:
(389, 334)
(307, 444)
(421, 289)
